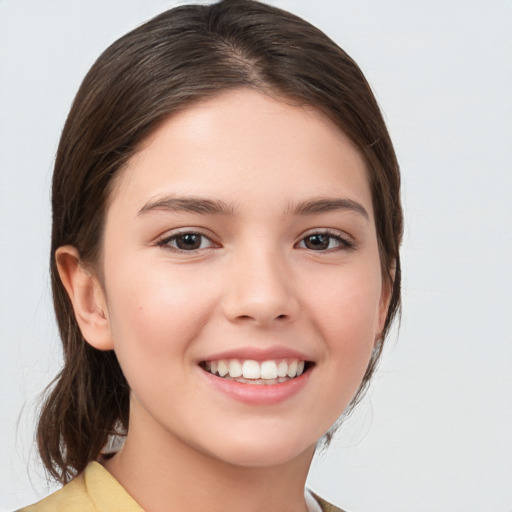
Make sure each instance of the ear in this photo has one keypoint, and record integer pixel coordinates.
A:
(385, 299)
(87, 297)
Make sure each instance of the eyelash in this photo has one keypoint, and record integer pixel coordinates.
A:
(343, 244)
(165, 242)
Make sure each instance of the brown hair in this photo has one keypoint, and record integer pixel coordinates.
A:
(184, 55)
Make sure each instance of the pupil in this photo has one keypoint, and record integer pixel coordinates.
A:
(189, 241)
(317, 242)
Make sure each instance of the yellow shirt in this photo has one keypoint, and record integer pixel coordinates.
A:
(96, 490)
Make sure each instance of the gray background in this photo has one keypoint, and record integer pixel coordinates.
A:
(435, 431)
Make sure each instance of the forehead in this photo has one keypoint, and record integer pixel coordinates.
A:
(242, 144)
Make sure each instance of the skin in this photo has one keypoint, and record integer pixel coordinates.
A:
(256, 281)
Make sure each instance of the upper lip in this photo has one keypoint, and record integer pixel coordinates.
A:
(258, 354)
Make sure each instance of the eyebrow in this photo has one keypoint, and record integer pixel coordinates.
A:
(187, 204)
(328, 204)
(219, 207)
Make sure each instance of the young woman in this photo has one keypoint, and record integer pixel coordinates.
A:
(225, 263)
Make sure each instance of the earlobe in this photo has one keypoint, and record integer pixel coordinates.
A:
(87, 297)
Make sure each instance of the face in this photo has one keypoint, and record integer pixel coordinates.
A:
(242, 279)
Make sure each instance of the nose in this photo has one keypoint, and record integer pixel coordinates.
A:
(260, 289)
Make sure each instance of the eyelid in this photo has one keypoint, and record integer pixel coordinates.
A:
(347, 242)
(163, 240)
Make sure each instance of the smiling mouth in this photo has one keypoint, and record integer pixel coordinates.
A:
(249, 371)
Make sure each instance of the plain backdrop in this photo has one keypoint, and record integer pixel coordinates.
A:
(435, 431)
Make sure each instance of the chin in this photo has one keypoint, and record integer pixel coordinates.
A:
(264, 452)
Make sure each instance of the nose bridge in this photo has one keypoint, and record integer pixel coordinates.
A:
(261, 288)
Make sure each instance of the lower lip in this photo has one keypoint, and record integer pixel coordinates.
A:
(259, 394)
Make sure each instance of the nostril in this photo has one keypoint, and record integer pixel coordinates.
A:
(257, 318)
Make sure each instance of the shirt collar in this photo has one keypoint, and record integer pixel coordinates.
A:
(106, 492)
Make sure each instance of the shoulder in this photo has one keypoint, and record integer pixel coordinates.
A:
(94, 490)
(325, 505)
(71, 498)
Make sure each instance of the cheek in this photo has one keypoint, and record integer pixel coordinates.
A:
(155, 316)
(345, 311)
(156, 311)
(346, 306)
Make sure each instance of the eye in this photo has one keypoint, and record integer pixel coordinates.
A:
(186, 242)
(325, 241)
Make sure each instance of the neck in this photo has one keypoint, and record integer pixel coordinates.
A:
(172, 475)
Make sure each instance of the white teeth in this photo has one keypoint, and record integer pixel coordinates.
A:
(268, 370)
(292, 369)
(222, 368)
(257, 372)
(235, 368)
(251, 370)
(282, 369)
